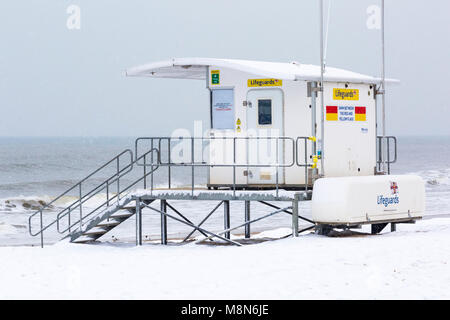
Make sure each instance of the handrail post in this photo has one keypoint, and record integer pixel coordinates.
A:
(247, 219)
(138, 222)
(170, 160)
(118, 181)
(70, 209)
(163, 221)
(42, 231)
(151, 167)
(295, 215)
(81, 208)
(277, 166)
(145, 170)
(306, 165)
(234, 166)
(192, 164)
(226, 217)
(107, 193)
(388, 155)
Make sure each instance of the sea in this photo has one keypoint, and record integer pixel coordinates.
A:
(35, 170)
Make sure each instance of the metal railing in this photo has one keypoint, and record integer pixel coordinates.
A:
(77, 205)
(306, 164)
(195, 162)
(109, 198)
(389, 140)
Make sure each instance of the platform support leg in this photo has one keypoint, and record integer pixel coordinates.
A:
(295, 215)
(163, 222)
(247, 219)
(226, 217)
(138, 222)
(393, 227)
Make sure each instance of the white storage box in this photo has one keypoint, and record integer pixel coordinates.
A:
(371, 199)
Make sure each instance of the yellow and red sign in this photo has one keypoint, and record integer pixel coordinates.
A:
(360, 113)
(345, 94)
(345, 113)
(332, 113)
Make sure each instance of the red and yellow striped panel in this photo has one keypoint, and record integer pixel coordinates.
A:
(360, 113)
(332, 113)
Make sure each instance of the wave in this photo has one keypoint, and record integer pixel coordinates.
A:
(436, 177)
(8, 229)
(22, 203)
(28, 204)
(60, 184)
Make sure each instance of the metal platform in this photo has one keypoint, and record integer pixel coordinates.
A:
(223, 198)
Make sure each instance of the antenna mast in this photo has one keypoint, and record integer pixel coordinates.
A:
(383, 91)
(322, 113)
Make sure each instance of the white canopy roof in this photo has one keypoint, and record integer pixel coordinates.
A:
(196, 68)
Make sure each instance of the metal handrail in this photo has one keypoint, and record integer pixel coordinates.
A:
(380, 151)
(109, 199)
(305, 164)
(193, 164)
(204, 164)
(119, 174)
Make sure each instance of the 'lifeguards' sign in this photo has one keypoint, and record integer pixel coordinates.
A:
(345, 94)
(264, 82)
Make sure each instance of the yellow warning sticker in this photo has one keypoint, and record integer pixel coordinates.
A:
(264, 83)
(238, 129)
(345, 94)
(238, 122)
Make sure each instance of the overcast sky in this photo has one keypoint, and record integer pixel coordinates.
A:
(56, 81)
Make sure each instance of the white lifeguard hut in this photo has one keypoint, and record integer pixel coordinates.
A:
(273, 99)
(272, 126)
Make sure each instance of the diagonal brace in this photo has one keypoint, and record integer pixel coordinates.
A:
(289, 212)
(194, 226)
(246, 223)
(204, 220)
(185, 219)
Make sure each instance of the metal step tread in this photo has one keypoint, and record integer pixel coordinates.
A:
(111, 223)
(96, 231)
(121, 215)
(83, 239)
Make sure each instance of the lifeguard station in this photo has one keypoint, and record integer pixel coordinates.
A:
(278, 104)
(280, 133)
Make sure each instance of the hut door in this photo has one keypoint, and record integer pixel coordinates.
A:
(265, 120)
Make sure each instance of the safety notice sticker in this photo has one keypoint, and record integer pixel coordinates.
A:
(345, 113)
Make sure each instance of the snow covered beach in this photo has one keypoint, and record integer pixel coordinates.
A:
(412, 263)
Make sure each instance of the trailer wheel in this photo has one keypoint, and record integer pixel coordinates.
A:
(323, 229)
(378, 227)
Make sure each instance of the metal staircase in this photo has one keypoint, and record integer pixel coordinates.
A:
(81, 225)
(101, 225)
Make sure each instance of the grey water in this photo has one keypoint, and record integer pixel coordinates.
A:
(36, 169)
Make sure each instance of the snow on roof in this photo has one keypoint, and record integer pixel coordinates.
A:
(196, 68)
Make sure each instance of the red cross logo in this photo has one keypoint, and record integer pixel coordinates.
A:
(394, 187)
